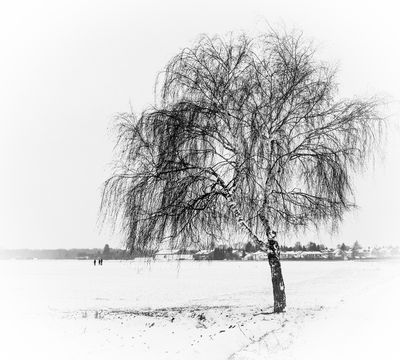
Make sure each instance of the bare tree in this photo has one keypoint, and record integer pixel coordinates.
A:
(248, 135)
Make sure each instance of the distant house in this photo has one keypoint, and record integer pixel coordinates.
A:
(378, 252)
(290, 255)
(185, 257)
(257, 256)
(166, 255)
(169, 255)
(383, 252)
(340, 254)
(203, 255)
(312, 255)
(237, 254)
(394, 251)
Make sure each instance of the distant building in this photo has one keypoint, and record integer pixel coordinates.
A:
(290, 255)
(340, 254)
(237, 254)
(312, 255)
(203, 255)
(257, 256)
(169, 255)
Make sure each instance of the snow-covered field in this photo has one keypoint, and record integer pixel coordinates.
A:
(197, 310)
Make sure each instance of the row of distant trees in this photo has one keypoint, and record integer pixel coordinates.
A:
(311, 246)
(105, 253)
(228, 253)
(218, 252)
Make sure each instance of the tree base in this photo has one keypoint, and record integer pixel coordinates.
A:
(278, 286)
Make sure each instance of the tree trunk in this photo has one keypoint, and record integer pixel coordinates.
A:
(272, 249)
(278, 286)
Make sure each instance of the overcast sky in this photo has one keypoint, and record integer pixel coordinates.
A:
(66, 67)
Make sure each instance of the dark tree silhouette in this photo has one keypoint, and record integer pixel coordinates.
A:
(106, 251)
(250, 247)
(312, 246)
(355, 250)
(248, 134)
(344, 247)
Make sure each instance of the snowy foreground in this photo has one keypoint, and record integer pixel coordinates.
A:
(198, 310)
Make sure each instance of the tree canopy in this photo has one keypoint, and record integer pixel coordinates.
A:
(247, 132)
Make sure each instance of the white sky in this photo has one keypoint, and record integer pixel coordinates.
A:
(66, 67)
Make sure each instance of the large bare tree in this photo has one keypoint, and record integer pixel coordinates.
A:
(247, 134)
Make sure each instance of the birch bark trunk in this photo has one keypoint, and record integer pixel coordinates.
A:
(278, 286)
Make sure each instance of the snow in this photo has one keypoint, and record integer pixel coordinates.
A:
(197, 310)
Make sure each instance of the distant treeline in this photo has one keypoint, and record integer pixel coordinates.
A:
(215, 252)
(106, 253)
(311, 246)
(219, 253)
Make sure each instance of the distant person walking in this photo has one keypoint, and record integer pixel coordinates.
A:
(94, 262)
(100, 261)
